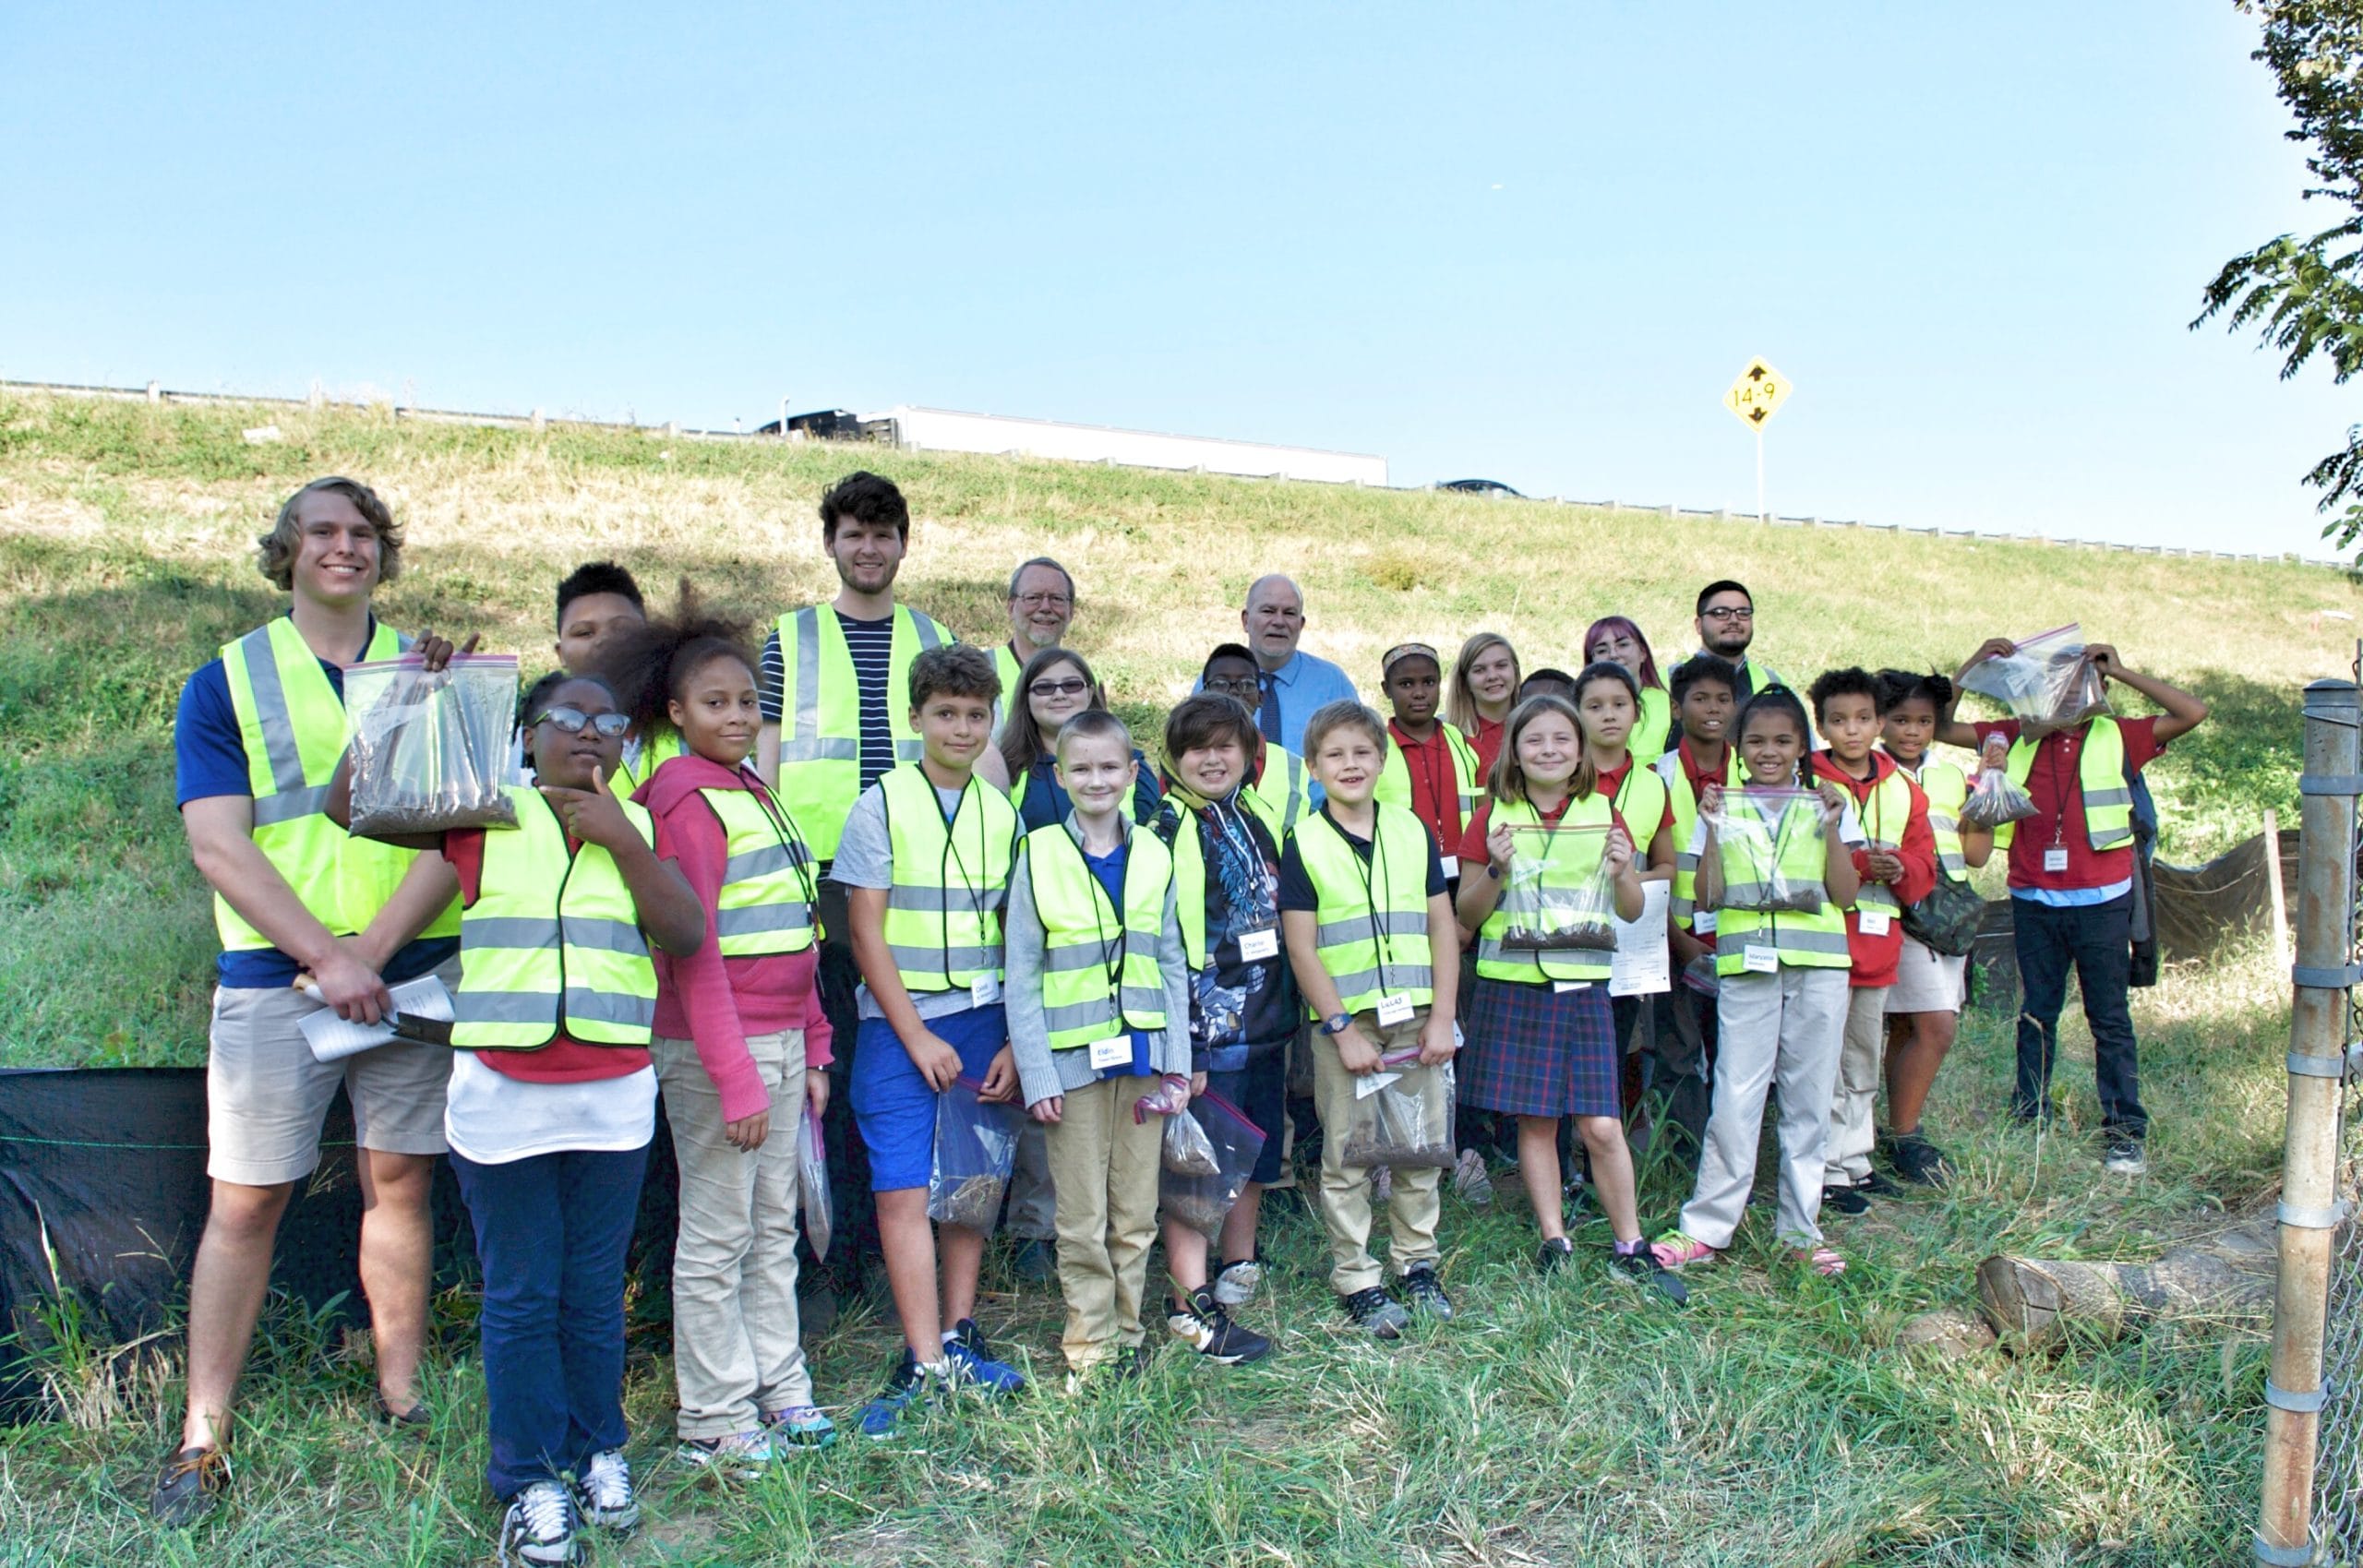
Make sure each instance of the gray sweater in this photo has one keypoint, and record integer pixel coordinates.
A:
(1041, 1071)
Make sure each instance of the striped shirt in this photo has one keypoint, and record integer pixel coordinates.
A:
(871, 643)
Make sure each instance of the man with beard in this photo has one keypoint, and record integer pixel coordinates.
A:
(1726, 626)
(834, 690)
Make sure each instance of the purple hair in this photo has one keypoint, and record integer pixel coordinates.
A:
(1610, 626)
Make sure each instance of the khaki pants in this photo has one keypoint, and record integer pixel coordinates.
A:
(737, 1348)
(1779, 1032)
(1853, 1109)
(1104, 1166)
(1415, 1204)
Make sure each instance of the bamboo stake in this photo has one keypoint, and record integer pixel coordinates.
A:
(2273, 882)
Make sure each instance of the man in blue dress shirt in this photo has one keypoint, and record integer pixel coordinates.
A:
(1294, 684)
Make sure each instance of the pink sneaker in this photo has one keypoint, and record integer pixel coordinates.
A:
(1674, 1250)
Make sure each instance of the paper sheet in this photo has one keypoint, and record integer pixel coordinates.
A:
(333, 1038)
(1643, 963)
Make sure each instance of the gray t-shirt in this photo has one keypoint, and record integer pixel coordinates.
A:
(866, 859)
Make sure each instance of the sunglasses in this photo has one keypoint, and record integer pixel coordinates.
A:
(1073, 686)
(570, 721)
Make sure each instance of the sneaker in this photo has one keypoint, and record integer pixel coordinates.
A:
(1205, 1325)
(413, 1423)
(1035, 1260)
(971, 1360)
(1876, 1185)
(738, 1455)
(1553, 1256)
(1919, 1162)
(538, 1531)
(189, 1485)
(800, 1427)
(2125, 1157)
(1674, 1250)
(1469, 1180)
(1427, 1293)
(604, 1493)
(1376, 1312)
(905, 1391)
(1236, 1284)
(1640, 1266)
(1845, 1200)
(1382, 1184)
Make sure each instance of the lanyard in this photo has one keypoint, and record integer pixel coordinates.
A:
(789, 839)
(951, 858)
(2059, 793)
(1370, 883)
(1436, 757)
(1112, 954)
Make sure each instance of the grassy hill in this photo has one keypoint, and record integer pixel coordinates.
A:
(1550, 1425)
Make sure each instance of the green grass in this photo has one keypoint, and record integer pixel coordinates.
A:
(1770, 1424)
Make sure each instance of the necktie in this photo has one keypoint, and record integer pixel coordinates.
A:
(1268, 712)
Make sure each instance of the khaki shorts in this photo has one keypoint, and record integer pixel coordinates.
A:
(267, 1095)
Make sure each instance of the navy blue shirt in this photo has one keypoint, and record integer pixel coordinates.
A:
(1109, 869)
(1045, 801)
(209, 760)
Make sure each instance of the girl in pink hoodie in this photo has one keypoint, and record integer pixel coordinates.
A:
(741, 1048)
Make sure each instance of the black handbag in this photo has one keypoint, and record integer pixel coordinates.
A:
(1947, 920)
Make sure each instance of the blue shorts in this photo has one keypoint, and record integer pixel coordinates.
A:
(892, 1104)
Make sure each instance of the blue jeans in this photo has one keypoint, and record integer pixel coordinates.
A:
(2095, 939)
(550, 1236)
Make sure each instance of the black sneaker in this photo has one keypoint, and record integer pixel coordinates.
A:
(189, 1485)
(1376, 1312)
(1640, 1267)
(541, 1529)
(1919, 1162)
(1879, 1186)
(1553, 1256)
(1426, 1293)
(1204, 1324)
(416, 1422)
(2125, 1157)
(1845, 1200)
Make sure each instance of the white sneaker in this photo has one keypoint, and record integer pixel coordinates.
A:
(605, 1493)
(1469, 1180)
(2125, 1157)
(741, 1456)
(538, 1531)
(1236, 1284)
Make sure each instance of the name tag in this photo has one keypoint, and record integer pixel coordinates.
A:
(2056, 858)
(1874, 922)
(1393, 1010)
(1561, 987)
(984, 991)
(1114, 1051)
(1451, 866)
(1703, 922)
(1364, 1087)
(1763, 961)
(1255, 945)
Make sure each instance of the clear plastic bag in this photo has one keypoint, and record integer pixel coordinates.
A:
(1992, 798)
(1559, 896)
(1406, 1124)
(1204, 1202)
(1756, 828)
(1187, 1150)
(812, 1181)
(2048, 684)
(975, 1149)
(1170, 1096)
(430, 749)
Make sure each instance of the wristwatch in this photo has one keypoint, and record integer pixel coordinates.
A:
(1337, 1025)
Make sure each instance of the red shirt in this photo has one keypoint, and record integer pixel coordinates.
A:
(1435, 794)
(1610, 781)
(1474, 855)
(2052, 785)
(1698, 775)
(564, 1060)
(1486, 741)
(1875, 958)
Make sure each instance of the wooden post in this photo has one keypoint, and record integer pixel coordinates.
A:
(2273, 882)
(2310, 1211)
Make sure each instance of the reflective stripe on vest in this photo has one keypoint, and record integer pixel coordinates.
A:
(1884, 817)
(1682, 900)
(1190, 868)
(1567, 870)
(293, 725)
(767, 896)
(1083, 933)
(1947, 789)
(1281, 796)
(1373, 937)
(2100, 775)
(553, 941)
(943, 924)
(820, 721)
(1803, 942)
(1394, 786)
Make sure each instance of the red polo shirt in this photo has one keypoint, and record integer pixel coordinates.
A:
(1435, 795)
(2059, 808)
(1875, 957)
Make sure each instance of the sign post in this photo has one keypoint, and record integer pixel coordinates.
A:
(1754, 398)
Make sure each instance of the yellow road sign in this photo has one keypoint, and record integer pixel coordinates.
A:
(1757, 395)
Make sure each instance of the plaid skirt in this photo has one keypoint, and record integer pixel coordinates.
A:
(1533, 1051)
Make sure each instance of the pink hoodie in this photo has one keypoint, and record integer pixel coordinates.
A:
(715, 1002)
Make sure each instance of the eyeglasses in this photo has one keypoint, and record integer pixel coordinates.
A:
(1073, 685)
(570, 721)
(1726, 613)
(1234, 685)
(1044, 601)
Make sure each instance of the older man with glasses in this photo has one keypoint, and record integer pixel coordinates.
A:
(1292, 685)
(1041, 607)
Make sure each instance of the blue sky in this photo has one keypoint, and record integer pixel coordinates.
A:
(1529, 243)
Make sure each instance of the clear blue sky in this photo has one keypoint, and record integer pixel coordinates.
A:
(1532, 244)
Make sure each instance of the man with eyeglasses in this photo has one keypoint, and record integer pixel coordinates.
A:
(1292, 685)
(1726, 626)
(1041, 607)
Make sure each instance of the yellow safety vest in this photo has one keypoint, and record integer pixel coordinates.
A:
(1190, 868)
(767, 898)
(1802, 941)
(1682, 899)
(2100, 775)
(943, 924)
(1641, 802)
(293, 724)
(819, 720)
(553, 941)
(1394, 786)
(1884, 815)
(1007, 666)
(1653, 731)
(1282, 789)
(1566, 871)
(1371, 918)
(1101, 970)
(1947, 789)
(655, 750)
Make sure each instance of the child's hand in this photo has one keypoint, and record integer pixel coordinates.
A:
(1833, 804)
(1710, 799)
(1619, 853)
(935, 1059)
(1047, 1111)
(747, 1133)
(1500, 846)
(592, 815)
(1181, 1087)
(436, 653)
(1000, 1078)
(1883, 866)
(2102, 657)
(816, 1091)
(1995, 753)
(1436, 1045)
(1355, 1052)
(1993, 648)
(1197, 1084)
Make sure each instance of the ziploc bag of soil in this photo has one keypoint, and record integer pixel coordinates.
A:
(1204, 1202)
(430, 750)
(1992, 798)
(812, 1181)
(1559, 896)
(1755, 830)
(2048, 684)
(1188, 1151)
(975, 1148)
(1406, 1124)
